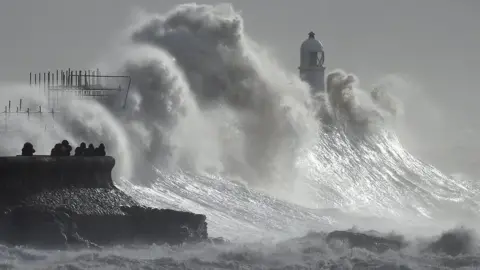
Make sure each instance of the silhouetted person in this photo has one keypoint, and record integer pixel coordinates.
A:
(100, 150)
(27, 149)
(57, 150)
(90, 151)
(66, 148)
(80, 150)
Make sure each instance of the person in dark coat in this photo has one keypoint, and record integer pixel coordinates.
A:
(66, 148)
(80, 150)
(57, 150)
(28, 149)
(100, 150)
(90, 151)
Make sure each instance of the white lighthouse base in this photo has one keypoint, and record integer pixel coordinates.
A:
(315, 77)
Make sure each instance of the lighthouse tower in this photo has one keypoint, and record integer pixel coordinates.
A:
(311, 67)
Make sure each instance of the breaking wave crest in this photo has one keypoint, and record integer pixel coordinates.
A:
(213, 124)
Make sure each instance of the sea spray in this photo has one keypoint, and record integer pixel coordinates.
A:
(207, 108)
(213, 114)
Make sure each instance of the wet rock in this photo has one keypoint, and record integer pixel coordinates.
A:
(453, 243)
(42, 205)
(218, 240)
(367, 241)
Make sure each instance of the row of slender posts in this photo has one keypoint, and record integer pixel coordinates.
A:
(85, 81)
(8, 109)
(91, 83)
(66, 78)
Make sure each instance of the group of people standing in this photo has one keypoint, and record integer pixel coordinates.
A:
(83, 150)
(64, 149)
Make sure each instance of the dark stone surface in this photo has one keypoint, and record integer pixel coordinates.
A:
(368, 241)
(58, 202)
(83, 201)
(21, 175)
(454, 242)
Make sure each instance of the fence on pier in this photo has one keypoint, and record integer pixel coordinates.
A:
(81, 84)
(61, 86)
(19, 112)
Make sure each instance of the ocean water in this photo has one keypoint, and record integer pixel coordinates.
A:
(214, 125)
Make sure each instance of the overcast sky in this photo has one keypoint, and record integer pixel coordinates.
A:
(435, 42)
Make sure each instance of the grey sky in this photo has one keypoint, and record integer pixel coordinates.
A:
(435, 42)
(368, 37)
(427, 39)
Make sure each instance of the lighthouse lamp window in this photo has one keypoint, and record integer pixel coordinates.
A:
(313, 59)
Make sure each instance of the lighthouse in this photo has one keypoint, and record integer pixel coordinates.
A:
(311, 66)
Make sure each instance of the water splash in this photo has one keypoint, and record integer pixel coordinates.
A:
(236, 137)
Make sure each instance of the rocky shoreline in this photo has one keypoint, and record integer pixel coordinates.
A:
(62, 202)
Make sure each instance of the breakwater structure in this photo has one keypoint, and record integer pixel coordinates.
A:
(64, 201)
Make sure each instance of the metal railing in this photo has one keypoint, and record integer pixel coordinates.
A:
(78, 83)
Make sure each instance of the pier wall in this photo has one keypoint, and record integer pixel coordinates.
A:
(21, 175)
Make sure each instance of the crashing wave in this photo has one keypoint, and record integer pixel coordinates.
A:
(233, 135)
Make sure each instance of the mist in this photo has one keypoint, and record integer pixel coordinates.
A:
(218, 122)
